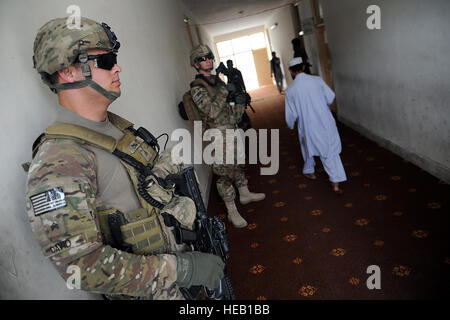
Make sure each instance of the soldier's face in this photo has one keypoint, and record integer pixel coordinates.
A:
(108, 79)
(206, 65)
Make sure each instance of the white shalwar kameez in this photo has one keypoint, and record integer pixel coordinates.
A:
(307, 100)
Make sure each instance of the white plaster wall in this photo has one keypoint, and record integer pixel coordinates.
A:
(281, 38)
(393, 84)
(208, 40)
(154, 57)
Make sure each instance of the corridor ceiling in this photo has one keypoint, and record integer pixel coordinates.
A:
(226, 16)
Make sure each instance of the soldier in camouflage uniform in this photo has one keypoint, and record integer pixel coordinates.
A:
(212, 98)
(78, 187)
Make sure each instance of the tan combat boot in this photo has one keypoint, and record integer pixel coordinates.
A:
(245, 196)
(234, 216)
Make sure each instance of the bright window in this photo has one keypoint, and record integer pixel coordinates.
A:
(258, 41)
(224, 59)
(239, 50)
(225, 48)
(241, 44)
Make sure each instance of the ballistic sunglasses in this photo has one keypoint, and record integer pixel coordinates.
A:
(104, 61)
(204, 58)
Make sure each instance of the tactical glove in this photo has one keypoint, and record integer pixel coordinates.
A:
(197, 268)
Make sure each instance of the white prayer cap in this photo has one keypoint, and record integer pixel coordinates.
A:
(295, 61)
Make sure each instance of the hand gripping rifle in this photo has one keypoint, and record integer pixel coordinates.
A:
(238, 83)
(209, 234)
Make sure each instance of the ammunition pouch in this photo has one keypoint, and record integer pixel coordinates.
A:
(144, 235)
(138, 232)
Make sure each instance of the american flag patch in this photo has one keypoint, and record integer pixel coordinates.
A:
(48, 201)
(197, 97)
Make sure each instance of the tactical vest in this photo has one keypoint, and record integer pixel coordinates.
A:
(142, 230)
(214, 92)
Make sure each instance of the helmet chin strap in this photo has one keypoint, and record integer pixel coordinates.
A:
(110, 95)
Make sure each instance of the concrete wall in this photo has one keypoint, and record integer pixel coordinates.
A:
(281, 37)
(208, 40)
(199, 34)
(155, 73)
(393, 84)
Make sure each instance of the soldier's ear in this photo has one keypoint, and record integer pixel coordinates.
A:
(68, 75)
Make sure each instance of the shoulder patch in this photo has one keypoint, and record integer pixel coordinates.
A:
(197, 97)
(47, 201)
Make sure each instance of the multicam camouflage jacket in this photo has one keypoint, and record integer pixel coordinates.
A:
(63, 202)
(215, 111)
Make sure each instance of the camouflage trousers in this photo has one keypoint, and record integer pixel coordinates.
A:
(229, 173)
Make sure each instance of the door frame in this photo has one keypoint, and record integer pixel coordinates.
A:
(322, 47)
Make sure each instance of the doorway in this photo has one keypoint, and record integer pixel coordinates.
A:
(250, 55)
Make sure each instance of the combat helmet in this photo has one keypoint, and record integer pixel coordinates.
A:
(199, 51)
(59, 45)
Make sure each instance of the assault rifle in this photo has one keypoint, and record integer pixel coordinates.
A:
(237, 81)
(209, 233)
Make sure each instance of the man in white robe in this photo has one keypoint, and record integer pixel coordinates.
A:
(307, 100)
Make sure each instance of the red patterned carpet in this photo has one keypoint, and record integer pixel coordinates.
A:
(304, 242)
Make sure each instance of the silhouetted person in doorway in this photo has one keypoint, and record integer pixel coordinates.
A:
(275, 69)
(235, 77)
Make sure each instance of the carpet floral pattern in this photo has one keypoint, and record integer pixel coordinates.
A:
(305, 242)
